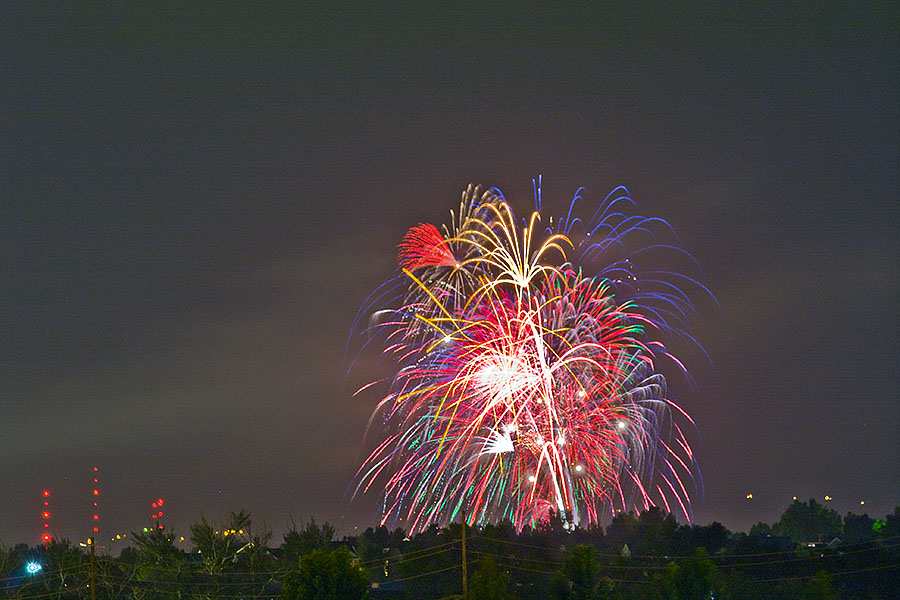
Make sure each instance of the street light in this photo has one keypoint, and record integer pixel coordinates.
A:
(33, 567)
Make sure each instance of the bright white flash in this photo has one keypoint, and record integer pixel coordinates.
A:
(498, 443)
(503, 378)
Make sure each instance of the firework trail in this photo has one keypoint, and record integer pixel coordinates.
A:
(523, 384)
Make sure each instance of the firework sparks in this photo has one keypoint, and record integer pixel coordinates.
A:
(524, 385)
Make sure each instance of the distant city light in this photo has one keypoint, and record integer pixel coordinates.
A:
(749, 496)
(33, 567)
(827, 498)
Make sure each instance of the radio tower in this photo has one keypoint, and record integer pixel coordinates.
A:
(45, 538)
(96, 500)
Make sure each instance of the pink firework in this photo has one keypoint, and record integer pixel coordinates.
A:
(523, 385)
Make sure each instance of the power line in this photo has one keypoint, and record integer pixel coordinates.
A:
(673, 556)
(417, 575)
(865, 570)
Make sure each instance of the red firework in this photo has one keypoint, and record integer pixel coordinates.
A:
(424, 246)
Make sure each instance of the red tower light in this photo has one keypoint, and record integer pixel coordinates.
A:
(46, 516)
(157, 514)
(95, 514)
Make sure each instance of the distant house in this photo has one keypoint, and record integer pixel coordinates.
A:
(823, 545)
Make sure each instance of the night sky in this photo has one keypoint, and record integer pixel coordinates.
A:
(195, 206)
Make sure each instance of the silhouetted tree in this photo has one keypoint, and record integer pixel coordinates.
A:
(712, 537)
(233, 561)
(219, 546)
(760, 530)
(326, 576)
(692, 579)
(808, 521)
(622, 530)
(580, 578)
(115, 578)
(655, 532)
(891, 524)
(159, 562)
(858, 528)
(819, 587)
(298, 542)
(234, 558)
(488, 583)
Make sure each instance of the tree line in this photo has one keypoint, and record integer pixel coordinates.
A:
(810, 552)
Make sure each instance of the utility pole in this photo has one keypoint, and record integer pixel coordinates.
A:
(465, 580)
(93, 571)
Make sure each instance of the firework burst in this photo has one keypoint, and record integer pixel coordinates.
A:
(523, 384)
